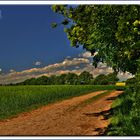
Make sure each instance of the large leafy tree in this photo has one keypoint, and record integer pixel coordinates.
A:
(85, 77)
(110, 32)
(71, 79)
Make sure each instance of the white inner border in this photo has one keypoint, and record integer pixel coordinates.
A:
(70, 138)
(68, 2)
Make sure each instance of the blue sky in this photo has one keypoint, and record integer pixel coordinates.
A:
(26, 37)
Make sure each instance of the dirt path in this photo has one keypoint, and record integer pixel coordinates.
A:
(59, 119)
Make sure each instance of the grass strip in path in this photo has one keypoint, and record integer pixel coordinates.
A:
(90, 100)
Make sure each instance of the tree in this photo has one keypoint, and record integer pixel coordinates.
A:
(131, 81)
(62, 78)
(71, 79)
(43, 80)
(85, 77)
(112, 78)
(101, 80)
(112, 32)
(31, 81)
(53, 80)
(109, 79)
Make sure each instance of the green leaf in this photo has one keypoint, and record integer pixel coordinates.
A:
(54, 25)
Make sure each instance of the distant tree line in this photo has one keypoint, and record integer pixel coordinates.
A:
(85, 78)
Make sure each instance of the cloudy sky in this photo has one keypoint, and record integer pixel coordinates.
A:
(83, 62)
(29, 47)
(27, 39)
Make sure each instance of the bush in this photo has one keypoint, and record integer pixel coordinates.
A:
(126, 110)
(131, 81)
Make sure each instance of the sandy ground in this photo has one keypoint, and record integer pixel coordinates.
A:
(63, 118)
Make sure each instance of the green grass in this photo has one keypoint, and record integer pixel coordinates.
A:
(90, 100)
(125, 120)
(17, 99)
(121, 87)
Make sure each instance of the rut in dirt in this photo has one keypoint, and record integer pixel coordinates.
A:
(63, 118)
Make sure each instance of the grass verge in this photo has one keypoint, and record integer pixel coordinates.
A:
(125, 120)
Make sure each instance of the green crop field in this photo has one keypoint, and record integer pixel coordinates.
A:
(17, 99)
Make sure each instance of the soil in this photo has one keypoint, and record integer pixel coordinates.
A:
(63, 118)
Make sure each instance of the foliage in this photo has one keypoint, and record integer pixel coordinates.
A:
(101, 80)
(85, 78)
(67, 79)
(131, 81)
(111, 30)
(112, 78)
(126, 110)
(71, 79)
(16, 99)
(109, 79)
(127, 113)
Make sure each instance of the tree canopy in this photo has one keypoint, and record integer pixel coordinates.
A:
(84, 78)
(110, 32)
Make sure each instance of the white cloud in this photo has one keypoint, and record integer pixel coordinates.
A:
(68, 57)
(102, 65)
(95, 54)
(124, 76)
(11, 71)
(37, 63)
(86, 54)
(74, 61)
(57, 68)
(76, 65)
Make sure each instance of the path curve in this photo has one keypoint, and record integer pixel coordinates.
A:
(57, 119)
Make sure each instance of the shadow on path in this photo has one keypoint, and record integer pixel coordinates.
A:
(106, 114)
